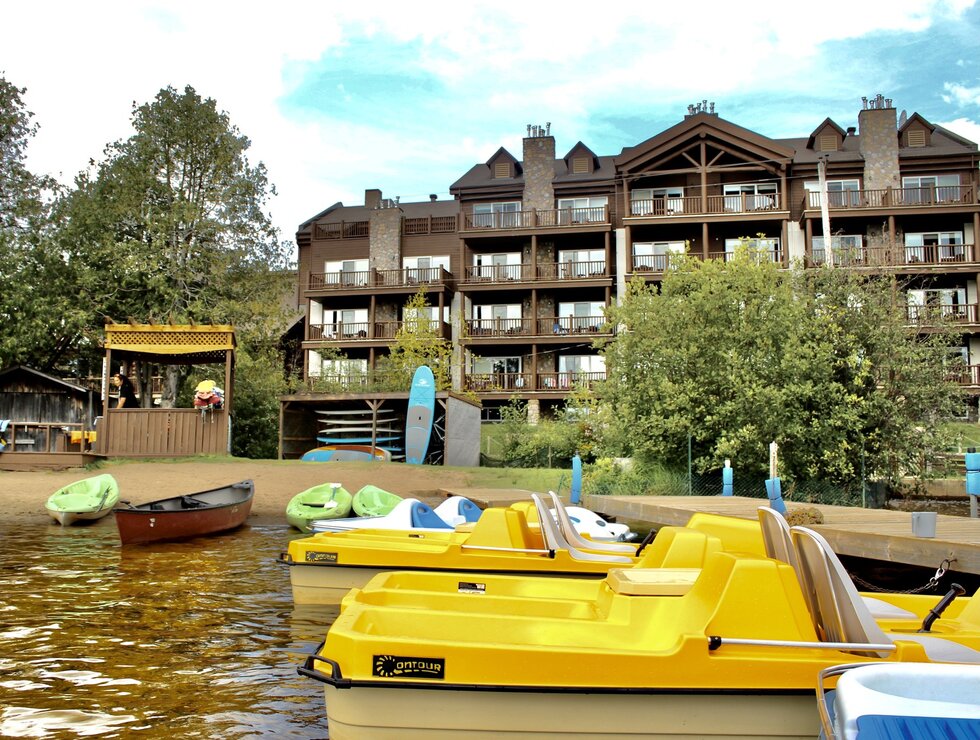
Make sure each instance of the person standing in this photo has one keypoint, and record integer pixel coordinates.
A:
(127, 393)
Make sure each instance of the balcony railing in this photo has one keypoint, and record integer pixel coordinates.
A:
(894, 197)
(429, 225)
(693, 205)
(543, 327)
(541, 272)
(354, 279)
(898, 256)
(353, 331)
(529, 382)
(342, 230)
(935, 313)
(535, 219)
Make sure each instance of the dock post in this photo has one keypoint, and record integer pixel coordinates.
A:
(972, 461)
(727, 482)
(774, 487)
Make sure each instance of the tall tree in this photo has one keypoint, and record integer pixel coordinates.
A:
(418, 341)
(33, 311)
(741, 353)
(172, 225)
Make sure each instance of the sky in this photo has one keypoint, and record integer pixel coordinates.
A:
(406, 97)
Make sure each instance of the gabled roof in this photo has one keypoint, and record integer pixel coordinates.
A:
(816, 132)
(503, 154)
(695, 127)
(919, 119)
(23, 369)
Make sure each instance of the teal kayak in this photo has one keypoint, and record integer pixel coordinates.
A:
(325, 501)
(374, 501)
(86, 499)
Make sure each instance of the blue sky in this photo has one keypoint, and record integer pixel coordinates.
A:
(406, 97)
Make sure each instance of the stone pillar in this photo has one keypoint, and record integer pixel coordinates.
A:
(539, 172)
(385, 250)
(533, 411)
(879, 145)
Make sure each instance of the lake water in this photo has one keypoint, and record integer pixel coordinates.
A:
(194, 639)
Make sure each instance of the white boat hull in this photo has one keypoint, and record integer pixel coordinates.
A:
(67, 518)
(405, 713)
(326, 585)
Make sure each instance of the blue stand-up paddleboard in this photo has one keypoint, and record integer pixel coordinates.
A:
(418, 419)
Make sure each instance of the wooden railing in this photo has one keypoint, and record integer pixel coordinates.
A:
(524, 382)
(545, 326)
(342, 230)
(693, 205)
(429, 225)
(894, 197)
(967, 375)
(544, 271)
(353, 331)
(936, 313)
(406, 277)
(535, 219)
(28, 436)
(898, 256)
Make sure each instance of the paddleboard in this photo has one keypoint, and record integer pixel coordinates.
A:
(418, 420)
(344, 430)
(355, 440)
(351, 412)
(346, 453)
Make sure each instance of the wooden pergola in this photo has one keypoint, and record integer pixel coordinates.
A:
(167, 432)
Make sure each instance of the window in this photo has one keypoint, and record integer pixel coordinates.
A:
(941, 246)
(345, 370)
(501, 318)
(656, 201)
(345, 324)
(497, 215)
(840, 193)
(582, 210)
(579, 317)
(655, 256)
(947, 302)
(497, 373)
(573, 369)
(346, 272)
(767, 248)
(932, 189)
(750, 196)
(847, 249)
(499, 266)
(582, 262)
(425, 269)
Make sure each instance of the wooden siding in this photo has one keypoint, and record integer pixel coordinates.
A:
(164, 433)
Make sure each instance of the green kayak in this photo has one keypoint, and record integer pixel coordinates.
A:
(374, 501)
(326, 501)
(86, 499)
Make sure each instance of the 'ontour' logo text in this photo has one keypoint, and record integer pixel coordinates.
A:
(390, 666)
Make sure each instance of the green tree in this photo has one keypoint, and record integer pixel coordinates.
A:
(172, 225)
(737, 354)
(418, 341)
(36, 310)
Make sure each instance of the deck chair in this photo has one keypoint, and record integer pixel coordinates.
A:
(779, 546)
(841, 615)
(554, 540)
(575, 539)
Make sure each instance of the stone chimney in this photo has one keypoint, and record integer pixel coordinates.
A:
(539, 169)
(372, 199)
(879, 143)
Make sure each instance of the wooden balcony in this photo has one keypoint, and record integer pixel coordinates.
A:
(546, 327)
(947, 195)
(366, 280)
(533, 219)
(509, 383)
(542, 272)
(936, 314)
(660, 263)
(938, 255)
(968, 376)
(342, 230)
(429, 225)
(693, 205)
(365, 331)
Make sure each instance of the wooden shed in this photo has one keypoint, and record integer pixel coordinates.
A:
(49, 420)
(168, 432)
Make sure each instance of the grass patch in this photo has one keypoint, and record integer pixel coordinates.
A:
(967, 433)
(530, 479)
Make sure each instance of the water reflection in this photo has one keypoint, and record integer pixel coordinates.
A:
(188, 639)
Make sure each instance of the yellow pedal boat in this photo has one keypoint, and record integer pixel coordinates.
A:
(515, 540)
(731, 649)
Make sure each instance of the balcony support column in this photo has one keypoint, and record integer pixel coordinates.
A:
(704, 239)
(372, 312)
(784, 190)
(808, 246)
(704, 177)
(627, 211)
(783, 247)
(976, 237)
(891, 233)
(533, 411)
(607, 243)
(371, 358)
(534, 368)
(534, 257)
(534, 311)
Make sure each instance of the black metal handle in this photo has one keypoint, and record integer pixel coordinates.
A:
(334, 678)
(285, 558)
(936, 612)
(646, 541)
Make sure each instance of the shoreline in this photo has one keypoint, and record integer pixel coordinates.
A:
(24, 493)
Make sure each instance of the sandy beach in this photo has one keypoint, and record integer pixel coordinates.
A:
(23, 493)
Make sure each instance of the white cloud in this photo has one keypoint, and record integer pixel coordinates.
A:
(961, 94)
(964, 127)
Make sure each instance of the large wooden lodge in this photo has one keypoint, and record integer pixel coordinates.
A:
(521, 263)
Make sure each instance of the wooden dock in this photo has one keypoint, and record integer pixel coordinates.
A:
(876, 534)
